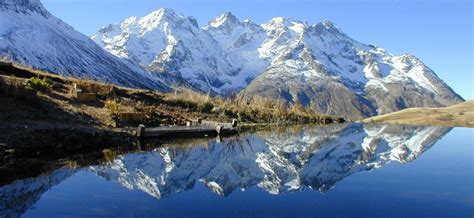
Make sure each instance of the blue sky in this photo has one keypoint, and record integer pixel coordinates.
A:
(439, 32)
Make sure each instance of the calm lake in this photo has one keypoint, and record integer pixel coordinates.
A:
(349, 170)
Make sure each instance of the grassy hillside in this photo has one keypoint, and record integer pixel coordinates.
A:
(461, 115)
(40, 108)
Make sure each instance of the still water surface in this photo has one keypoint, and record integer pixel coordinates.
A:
(351, 170)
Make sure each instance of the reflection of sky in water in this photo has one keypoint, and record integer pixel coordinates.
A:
(409, 179)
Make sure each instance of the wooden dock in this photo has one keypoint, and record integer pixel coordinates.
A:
(208, 129)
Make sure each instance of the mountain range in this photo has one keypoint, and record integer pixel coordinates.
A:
(316, 65)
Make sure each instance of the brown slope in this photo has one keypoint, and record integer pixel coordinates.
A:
(461, 114)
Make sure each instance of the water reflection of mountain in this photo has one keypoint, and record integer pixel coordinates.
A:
(18, 197)
(277, 161)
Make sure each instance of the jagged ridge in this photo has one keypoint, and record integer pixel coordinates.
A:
(317, 65)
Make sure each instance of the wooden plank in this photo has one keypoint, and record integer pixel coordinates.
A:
(202, 128)
(186, 131)
(132, 117)
(86, 96)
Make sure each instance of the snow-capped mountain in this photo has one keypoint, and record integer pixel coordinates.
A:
(278, 162)
(165, 42)
(317, 65)
(325, 69)
(31, 36)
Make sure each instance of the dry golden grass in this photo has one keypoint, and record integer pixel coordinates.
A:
(166, 108)
(458, 115)
(257, 109)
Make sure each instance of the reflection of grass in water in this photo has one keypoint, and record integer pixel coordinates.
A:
(109, 154)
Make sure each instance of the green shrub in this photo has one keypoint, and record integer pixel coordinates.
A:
(43, 85)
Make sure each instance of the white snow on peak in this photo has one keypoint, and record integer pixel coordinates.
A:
(220, 20)
(31, 36)
(228, 53)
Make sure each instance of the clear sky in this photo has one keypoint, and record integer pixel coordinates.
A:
(439, 32)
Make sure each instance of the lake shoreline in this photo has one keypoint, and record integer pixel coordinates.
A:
(39, 108)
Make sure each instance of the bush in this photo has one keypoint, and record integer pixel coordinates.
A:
(106, 92)
(183, 103)
(230, 113)
(113, 106)
(243, 116)
(205, 107)
(43, 85)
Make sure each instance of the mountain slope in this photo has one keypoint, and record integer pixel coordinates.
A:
(457, 115)
(317, 65)
(327, 70)
(31, 36)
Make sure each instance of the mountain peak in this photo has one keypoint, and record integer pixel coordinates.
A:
(165, 11)
(285, 22)
(160, 13)
(158, 18)
(24, 6)
(328, 24)
(281, 23)
(226, 17)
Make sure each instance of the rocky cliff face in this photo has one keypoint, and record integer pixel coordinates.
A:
(31, 36)
(317, 65)
(327, 70)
